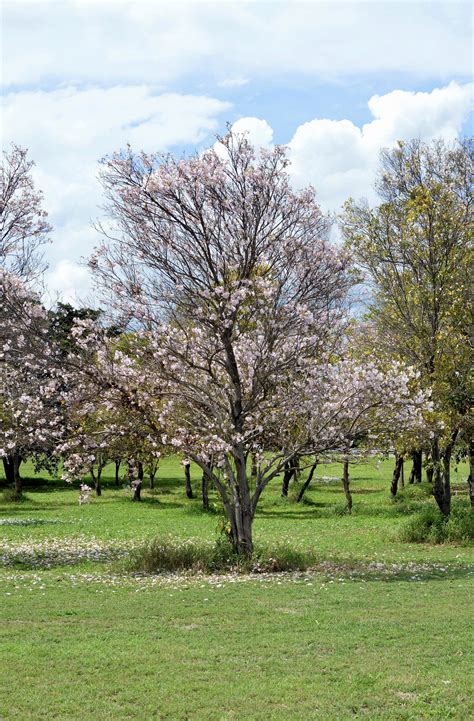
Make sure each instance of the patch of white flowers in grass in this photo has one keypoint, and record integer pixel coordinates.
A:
(27, 521)
(59, 551)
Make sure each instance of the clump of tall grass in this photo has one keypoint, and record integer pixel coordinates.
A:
(430, 526)
(195, 556)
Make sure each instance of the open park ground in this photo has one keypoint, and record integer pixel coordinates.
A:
(379, 629)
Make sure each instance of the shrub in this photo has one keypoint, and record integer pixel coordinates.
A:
(11, 496)
(432, 527)
(161, 556)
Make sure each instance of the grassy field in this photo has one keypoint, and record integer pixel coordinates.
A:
(379, 630)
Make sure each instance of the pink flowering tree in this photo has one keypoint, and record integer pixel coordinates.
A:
(31, 419)
(23, 222)
(103, 419)
(233, 290)
(355, 406)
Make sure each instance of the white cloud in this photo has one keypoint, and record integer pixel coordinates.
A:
(69, 282)
(73, 129)
(258, 131)
(158, 42)
(339, 158)
(237, 81)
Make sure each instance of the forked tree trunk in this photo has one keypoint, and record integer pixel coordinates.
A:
(415, 474)
(239, 509)
(96, 479)
(305, 485)
(396, 474)
(345, 484)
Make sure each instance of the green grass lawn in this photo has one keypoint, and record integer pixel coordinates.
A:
(380, 630)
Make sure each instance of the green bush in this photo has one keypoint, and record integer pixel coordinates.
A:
(412, 498)
(430, 526)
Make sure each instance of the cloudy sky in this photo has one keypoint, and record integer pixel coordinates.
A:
(334, 80)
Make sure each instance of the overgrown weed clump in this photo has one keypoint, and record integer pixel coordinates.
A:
(196, 556)
(430, 526)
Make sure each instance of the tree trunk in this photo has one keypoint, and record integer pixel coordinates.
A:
(96, 480)
(241, 529)
(11, 465)
(402, 472)
(254, 469)
(240, 509)
(470, 479)
(187, 476)
(205, 491)
(442, 475)
(345, 484)
(396, 474)
(418, 464)
(288, 473)
(307, 482)
(415, 474)
(137, 490)
(117, 468)
(429, 469)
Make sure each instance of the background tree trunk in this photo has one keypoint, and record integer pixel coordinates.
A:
(205, 491)
(470, 479)
(396, 474)
(117, 468)
(11, 465)
(442, 474)
(290, 471)
(187, 476)
(417, 458)
(345, 484)
(307, 482)
(96, 480)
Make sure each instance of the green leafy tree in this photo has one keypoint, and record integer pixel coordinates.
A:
(415, 248)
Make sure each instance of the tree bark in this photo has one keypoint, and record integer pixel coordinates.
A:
(187, 476)
(240, 510)
(117, 468)
(417, 458)
(254, 469)
(96, 480)
(345, 484)
(442, 474)
(291, 467)
(307, 482)
(11, 465)
(470, 479)
(396, 474)
(205, 491)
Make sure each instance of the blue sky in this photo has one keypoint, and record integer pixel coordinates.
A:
(334, 80)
